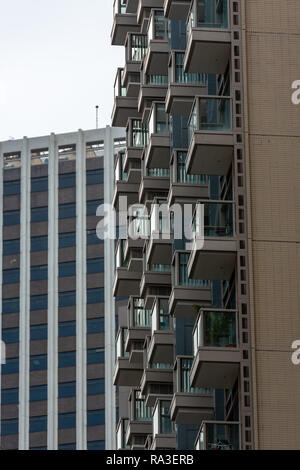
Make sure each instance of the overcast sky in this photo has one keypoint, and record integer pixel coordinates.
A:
(56, 64)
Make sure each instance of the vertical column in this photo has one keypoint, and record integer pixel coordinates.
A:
(52, 295)
(109, 262)
(24, 323)
(1, 263)
(81, 297)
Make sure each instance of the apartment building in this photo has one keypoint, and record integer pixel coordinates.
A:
(203, 349)
(54, 321)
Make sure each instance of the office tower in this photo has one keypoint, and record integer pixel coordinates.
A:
(54, 318)
(205, 347)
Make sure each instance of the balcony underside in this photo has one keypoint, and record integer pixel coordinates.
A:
(127, 374)
(132, 153)
(125, 189)
(210, 154)
(152, 186)
(150, 93)
(158, 151)
(182, 191)
(180, 98)
(124, 108)
(208, 51)
(154, 279)
(184, 302)
(215, 367)
(122, 24)
(191, 408)
(131, 6)
(161, 347)
(216, 261)
(162, 441)
(126, 283)
(176, 9)
(156, 58)
(137, 429)
(159, 251)
(156, 383)
(134, 176)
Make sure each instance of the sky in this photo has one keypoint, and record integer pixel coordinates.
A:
(56, 65)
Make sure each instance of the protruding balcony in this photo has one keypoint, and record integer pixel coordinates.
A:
(211, 142)
(131, 6)
(189, 405)
(183, 87)
(157, 154)
(140, 421)
(139, 328)
(187, 294)
(127, 374)
(208, 37)
(159, 247)
(123, 22)
(124, 106)
(216, 349)
(176, 9)
(161, 345)
(145, 6)
(218, 435)
(154, 276)
(164, 436)
(126, 282)
(122, 186)
(213, 255)
(153, 88)
(157, 379)
(136, 140)
(121, 434)
(156, 58)
(154, 182)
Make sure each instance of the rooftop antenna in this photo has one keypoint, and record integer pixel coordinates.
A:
(97, 116)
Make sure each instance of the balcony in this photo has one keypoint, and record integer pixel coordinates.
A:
(155, 182)
(124, 187)
(218, 435)
(136, 140)
(131, 6)
(164, 436)
(127, 374)
(216, 350)
(156, 58)
(187, 294)
(124, 106)
(121, 434)
(185, 187)
(153, 88)
(140, 421)
(157, 154)
(176, 9)
(145, 7)
(161, 345)
(155, 277)
(208, 37)
(214, 223)
(139, 328)
(211, 140)
(183, 87)
(159, 247)
(157, 382)
(123, 22)
(126, 282)
(189, 405)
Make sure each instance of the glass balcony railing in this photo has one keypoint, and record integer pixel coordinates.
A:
(180, 174)
(141, 315)
(158, 26)
(218, 436)
(119, 90)
(215, 329)
(160, 317)
(181, 273)
(120, 174)
(209, 14)
(178, 75)
(121, 341)
(156, 80)
(162, 423)
(158, 119)
(210, 114)
(139, 134)
(161, 366)
(141, 411)
(218, 219)
(136, 47)
(183, 378)
(159, 268)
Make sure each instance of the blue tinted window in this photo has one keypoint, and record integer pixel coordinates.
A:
(10, 396)
(67, 239)
(67, 390)
(11, 247)
(11, 276)
(39, 184)
(95, 295)
(67, 211)
(11, 366)
(95, 265)
(91, 237)
(38, 332)
(94, 176)
(11, 218)
(95, 417)
(10, 305)
(39, 243)
(95, 387)
(38, 393)
(91, 206)
(67, 328)
(67, 180)
(66, 420)
(39, 214)
(95, 356)
(95, 325)
(67, 299)
(96, 445)
(39, 273)
(38, 362)
(9, 426)
(10, 335)
(11, 187)
(67, 269)
(38, 448)
(37, 423)
(67, 446)
(38, 302)
(67, 359)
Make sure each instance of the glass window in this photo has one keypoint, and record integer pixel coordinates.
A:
(11, 247)
(10, 396)
(39, 214)
(91, 206)
(10, 305)
(38, 302)
(95, 417)
(67, 269)
(11, 276)
(96, 445)
(95, 295)
(38, 332)
(11, 188)
(95, 265)
(67, 390)
(38, 448)
(39, 243)
(10, 335)
(95, 325)
(9, 426)
(11, 366)
(95, 386)
(67, 180)
(67, 446)
(95, 176)
(39, 184)
(38, 362)
(67, 239)
(38, 393)
(66, 420)
(37, 423)
(95, 356)
(67, 299)
(67, 211)
(38, 273)
(67, 328)
(91, 237)
(67, 359)
(11, 218)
